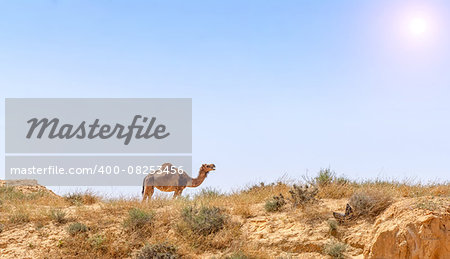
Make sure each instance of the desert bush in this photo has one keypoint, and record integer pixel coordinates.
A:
(303, 194)
(208, 193)
(137, 219)
(76, 228)
(332, 227)
(324, 177)
(159, 251)
(425, 204)
(257, 187)
(275, 204)
(78, 199)
(10, 193)
(238, 255)
(90, 198)
(370, 202)
(335, 249)
(203, 220)
(341, 180)
(58, 216)
(97, 242)
(314, 214)
(74, 198)
(251, 195)
(20, 216)
(331, 186)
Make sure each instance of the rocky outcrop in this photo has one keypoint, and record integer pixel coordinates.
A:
(409, 229)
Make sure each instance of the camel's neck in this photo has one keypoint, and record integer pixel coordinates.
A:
(199, 180)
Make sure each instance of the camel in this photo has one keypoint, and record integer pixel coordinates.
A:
(170, 182)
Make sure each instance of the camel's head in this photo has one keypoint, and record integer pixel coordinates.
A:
(208, 168)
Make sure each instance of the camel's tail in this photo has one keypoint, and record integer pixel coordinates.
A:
(143, 186)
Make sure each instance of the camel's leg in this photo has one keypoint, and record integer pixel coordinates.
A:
(177, 193)
(148, 192)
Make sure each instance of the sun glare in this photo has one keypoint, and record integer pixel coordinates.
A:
(418, 26)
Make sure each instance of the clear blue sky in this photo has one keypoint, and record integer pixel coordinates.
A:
(277, 86)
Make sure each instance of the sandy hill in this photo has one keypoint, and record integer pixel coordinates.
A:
(388, 220)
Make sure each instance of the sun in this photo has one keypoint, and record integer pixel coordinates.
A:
(418, 26)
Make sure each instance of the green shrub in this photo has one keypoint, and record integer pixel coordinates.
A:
(203, 220)
(275, 204)
(76, 228)
(58, 216)
(335, 249)
(325, 176)
(97, 241)
(137, 219)
(158, 251)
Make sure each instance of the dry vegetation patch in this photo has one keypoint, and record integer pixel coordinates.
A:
(370, 202)
(58, 216)
(203, 220)
(275, 204)
(160, 251)
(77, 228)
(138, 219)
(335, 249)
(85, 198)
(208, 224)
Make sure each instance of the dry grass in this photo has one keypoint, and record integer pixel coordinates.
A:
(370, 202)
(203, 220)
(76, 228)
(314, 214)
(344, 189)
(86, 198)
(162, 250)
(58, 216)
(243, 210)
(107, 238)
(19, 216)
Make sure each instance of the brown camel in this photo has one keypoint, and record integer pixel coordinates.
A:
(172, 182)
